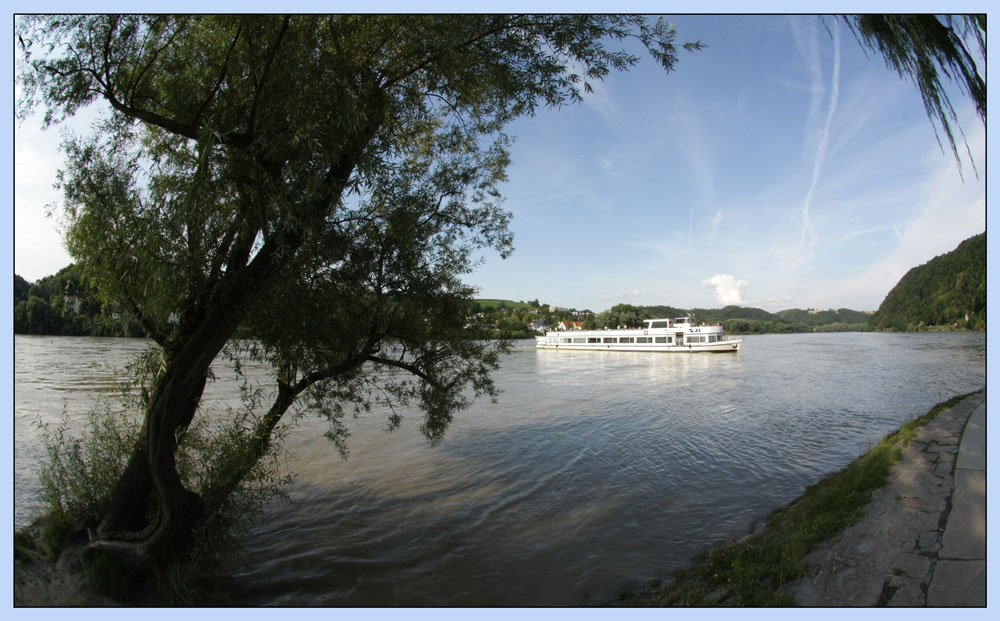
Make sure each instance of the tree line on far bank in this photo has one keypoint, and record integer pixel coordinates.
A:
(948, 292)
(65, 304)
(515, 319)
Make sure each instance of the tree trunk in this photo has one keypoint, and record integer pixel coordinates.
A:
(152, 473)
(177, 394)
(130, 504)
(130, 499)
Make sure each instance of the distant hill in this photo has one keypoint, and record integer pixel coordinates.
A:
(710, 315)
(495, 304)
(733, 312)
(822, 318)
(744, 319)
(948, 290)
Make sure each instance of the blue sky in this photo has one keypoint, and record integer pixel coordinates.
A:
(779, 168)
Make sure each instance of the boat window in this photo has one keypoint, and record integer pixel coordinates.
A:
(610, 339)
(696, 339)
(579, 339)
(626, 339)
(712, 338)
(661, 339)
(593, 339)
(660, 324)
(643, 339)
(565, 339)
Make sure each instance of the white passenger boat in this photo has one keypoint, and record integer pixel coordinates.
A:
(681, 334)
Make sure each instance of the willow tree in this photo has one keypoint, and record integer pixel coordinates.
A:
(932, 51)
(321, 181)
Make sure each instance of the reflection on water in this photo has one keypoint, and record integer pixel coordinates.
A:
(594, 469)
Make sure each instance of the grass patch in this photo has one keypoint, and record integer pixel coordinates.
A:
(25, 548)
(753, 570)
(107, 577)
(56, 533)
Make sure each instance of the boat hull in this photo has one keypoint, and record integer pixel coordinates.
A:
(727, 346)
(680, 335)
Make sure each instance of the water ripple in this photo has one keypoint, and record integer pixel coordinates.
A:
(592, 470)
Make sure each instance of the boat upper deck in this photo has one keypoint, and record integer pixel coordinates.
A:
(652, 326)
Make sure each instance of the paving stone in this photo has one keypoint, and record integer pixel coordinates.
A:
(928, 539)
(898, 549)
(909, 594)
(947, 457)
(965, 532)
(851, 587)
(913, 565)
(943, 469)
(958, 583)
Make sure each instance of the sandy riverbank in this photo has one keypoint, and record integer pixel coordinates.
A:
(40, 582)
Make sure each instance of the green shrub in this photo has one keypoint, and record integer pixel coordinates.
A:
(80, 472)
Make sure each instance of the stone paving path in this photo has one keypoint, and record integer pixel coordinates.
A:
(922, 540)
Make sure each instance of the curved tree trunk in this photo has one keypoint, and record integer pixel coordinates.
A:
(129, 504)
(218, 312)
(151, 476)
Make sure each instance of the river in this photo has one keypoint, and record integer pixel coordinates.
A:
(594, 470)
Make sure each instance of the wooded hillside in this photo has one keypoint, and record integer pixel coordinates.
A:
(949, 290)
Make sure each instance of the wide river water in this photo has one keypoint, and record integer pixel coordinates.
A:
(593, 471)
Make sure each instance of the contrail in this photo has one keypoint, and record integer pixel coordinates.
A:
(824, 136)
(690, 223)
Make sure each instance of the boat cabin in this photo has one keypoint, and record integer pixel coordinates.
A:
(677, 334)
(678, 322)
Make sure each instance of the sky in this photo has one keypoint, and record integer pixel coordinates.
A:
(779, 167)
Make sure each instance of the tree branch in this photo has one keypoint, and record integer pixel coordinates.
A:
(272, 53)
(222, 77)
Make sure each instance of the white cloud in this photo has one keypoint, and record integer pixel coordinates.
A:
(728, 290)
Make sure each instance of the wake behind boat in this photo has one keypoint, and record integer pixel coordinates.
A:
(658, 335)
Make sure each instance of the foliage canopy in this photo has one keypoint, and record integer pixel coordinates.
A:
(926, 49)
(321, 182)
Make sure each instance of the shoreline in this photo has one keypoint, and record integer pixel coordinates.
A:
(899, 573)
(885, 555)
